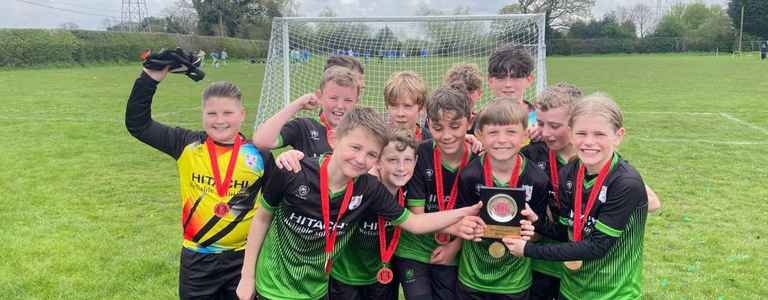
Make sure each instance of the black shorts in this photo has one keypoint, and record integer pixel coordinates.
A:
(426, 281)
(544, 287)
(209, 275)
(464, 292)
(340, 291)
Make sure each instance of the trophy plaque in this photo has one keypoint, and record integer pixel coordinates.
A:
(501, 211)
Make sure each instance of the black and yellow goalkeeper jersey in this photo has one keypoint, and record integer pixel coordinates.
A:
(204, 230)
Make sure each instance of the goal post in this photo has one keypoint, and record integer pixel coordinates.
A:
(427, 45)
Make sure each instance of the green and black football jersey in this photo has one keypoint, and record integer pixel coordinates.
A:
(538, 155)
(421, 192)
(612, 236)
(477, 268)
(358, 264)
(306, 135)
(291, 260)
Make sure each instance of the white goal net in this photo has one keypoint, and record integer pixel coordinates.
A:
(429, 46)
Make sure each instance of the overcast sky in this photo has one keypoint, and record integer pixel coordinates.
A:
(91, 14)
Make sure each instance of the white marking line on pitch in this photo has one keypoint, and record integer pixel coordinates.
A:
(672, 112)
(677, 141)
(737, 120)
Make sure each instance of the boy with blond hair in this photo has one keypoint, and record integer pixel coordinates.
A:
(485, 272)
(338, 92)
(308, 217)
(404, 96)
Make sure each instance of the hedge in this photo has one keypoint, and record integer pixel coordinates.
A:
(29, 47)
(645, 45)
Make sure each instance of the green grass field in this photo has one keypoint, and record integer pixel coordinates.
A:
(88, 212)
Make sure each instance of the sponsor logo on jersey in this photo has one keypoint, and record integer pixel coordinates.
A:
(355, 202)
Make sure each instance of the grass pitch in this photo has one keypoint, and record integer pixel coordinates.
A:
(89, 212)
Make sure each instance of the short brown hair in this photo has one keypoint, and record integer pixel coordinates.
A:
(510, 60)
(405, 83)
(598, 104)
(341, 76)
(404, 139)
(366, 118)
(346, 61)
(469, 74)
(562, 94)
(223, 89)
(447, 99)
(503, 111)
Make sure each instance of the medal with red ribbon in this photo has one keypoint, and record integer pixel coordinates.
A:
(325, 203)
(554, 177)
(444, 238)
(488, 171)
(385, 274)
(328, 129)
(579, 218)
(221, 209)
(418, 134)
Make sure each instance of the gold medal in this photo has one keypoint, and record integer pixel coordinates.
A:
(573, 265)
(497, 250)
(385, 275)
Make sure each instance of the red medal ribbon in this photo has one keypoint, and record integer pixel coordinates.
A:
(580, 219)
(418, 133)
(328, 129)
(222, 187)
(387, 250)
(488, 173)
(554, 177)
(437, 164)
(330, 238)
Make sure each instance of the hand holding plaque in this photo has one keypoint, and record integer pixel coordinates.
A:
(501, 211)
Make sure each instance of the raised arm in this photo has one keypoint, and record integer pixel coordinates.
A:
(266, 134)
(139, 122)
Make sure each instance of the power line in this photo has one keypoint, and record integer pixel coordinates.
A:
(66, 9)
(80, 6)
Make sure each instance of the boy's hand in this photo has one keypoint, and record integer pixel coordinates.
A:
(444, 254)
(475, 145)
(245, 289)
(290, 160)
(473, 210)
(515, 245)
(529, 214)
(307, 101)
(534, 132)
(157, 75)
(471, 228)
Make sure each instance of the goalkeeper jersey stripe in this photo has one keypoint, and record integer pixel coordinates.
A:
(203, 230)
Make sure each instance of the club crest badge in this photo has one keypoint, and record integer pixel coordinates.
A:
(355, 202)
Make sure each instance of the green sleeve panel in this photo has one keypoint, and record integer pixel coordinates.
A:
(608, 230)
(416, 202)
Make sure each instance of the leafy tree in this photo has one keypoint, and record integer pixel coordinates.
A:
(755, 16)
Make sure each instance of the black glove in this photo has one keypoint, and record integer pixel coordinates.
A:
(179, 60)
